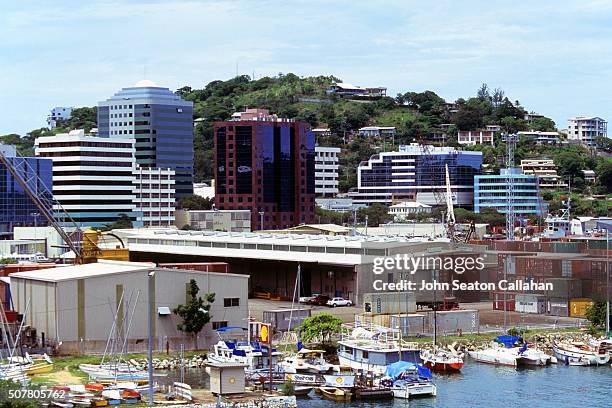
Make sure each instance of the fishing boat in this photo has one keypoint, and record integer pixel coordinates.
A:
(580, 354)
(440, 360)
(409, 380)
(336, 394)
(504, 351)
(306, 361)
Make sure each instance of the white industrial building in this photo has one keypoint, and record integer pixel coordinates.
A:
(155, 195)
(92, 176)
(74, 306)
(215, 220)
(326, 171)
(586, 129)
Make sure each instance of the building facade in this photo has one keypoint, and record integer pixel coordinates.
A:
(377, 131)
(493, 191)
(541, 138)
(586, 129)
(326, 171)
(266, 167)
(415, 173)
(93, 177)
(162, 124)
(16, 208)
(545, 170)
(154, 195)
(475, 137)
(215, 220)
(58, 113)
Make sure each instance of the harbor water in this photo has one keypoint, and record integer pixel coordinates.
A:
(482, 385)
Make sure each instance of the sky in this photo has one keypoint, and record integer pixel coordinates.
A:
(555, 57)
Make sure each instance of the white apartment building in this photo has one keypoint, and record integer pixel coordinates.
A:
(93, 177)
(155, 195)
(475, 137)
(541, 137)
(545, 170)
(326, 171)
(585, 129)
(377, 131)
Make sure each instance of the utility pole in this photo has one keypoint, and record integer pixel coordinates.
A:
(150, 346)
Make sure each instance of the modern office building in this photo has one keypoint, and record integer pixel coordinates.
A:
(494, 191)
(267, 166)
(93, 177)
(58, 113)
(16, 208)
(474, 137)
(586, 129)
(162, 124)
(154, 195)
(417, 173)
(545, 170)
(326, 171)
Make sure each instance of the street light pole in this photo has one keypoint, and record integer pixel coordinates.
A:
(261, 220)
(150, 346)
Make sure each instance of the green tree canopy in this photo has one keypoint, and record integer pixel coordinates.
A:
(322, 327)
(195, 314)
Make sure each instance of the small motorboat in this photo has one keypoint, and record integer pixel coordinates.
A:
(306, 361)
(95, 387)
(336, 394)
(440, 360)
(580, 354)
(409, 380)
(302, 390)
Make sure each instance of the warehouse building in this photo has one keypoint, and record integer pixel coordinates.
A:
(74, 306)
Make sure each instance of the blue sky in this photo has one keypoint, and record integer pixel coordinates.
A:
(555, 57)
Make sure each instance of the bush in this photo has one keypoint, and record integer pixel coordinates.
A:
(287, 388)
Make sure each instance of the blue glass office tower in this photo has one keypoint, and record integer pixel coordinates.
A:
(414, 173)
(492, 191)
(16, 208)
(162, 124)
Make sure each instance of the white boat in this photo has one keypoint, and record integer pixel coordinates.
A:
(504, 352)
(306, 361)
(581, 354)
(251, 354)
(371, 348)
(406, 389)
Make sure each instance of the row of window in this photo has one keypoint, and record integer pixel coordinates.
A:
(262, 247)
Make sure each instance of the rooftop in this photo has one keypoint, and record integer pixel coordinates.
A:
(67, 273)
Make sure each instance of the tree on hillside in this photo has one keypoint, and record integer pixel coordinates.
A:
(195, 314)
(569, 164)
(377, 214)
(321, 327)
(543, 124)
(604, 176)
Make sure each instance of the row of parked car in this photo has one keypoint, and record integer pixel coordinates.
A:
(324, 300)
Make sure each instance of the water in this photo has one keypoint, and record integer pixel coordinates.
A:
(487, 386)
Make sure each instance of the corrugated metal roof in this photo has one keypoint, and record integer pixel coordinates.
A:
(101, 268)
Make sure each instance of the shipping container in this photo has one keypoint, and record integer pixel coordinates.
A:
(499, 300)
(530, 303)
(408, 325)
(279, 319)
(557, 307)
(578, 307)
(564, 288)
(389, 302)
(454, 322)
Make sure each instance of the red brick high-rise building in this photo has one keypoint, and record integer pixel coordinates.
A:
(265, 164)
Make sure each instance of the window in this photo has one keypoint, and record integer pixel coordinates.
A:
(219, 325)
(231, 302)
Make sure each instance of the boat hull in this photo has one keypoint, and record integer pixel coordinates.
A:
(336, 394)
(415, 390)
(575, 358)
(443, 367)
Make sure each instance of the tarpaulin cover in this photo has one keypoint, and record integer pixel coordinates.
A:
(508, 341)
(395, 370)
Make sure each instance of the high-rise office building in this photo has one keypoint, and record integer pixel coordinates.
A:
(414, 173)
(93, 177)
(266, 165)
(162, 124)
(326, 171)
(155, 195)
(493, 191)
(16, 208)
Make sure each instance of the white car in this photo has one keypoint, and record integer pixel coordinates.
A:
(307, 299)
(338, 301)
